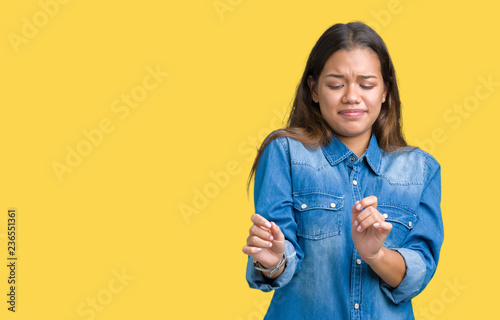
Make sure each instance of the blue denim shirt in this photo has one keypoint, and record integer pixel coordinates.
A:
(309, 194)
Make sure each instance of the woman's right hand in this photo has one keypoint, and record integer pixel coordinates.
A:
(266, 242)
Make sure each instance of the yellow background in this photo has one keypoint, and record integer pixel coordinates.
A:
(231, 77)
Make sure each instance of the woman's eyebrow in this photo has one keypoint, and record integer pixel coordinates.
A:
(368, 76)
(363, 76)
(335, 76)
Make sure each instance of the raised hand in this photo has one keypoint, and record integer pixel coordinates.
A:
(266, 242)
(368, 228)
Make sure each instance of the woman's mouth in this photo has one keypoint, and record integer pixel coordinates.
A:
(352, 113)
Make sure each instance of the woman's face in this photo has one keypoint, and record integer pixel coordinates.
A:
(350, 92)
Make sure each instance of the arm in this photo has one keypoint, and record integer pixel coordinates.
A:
(369, 231)
(266, 244)
(273, 200)
(422, 246)
(405, 271)
(389, 265)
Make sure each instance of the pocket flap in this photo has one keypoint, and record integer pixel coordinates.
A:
(398, 215)
(317, 200)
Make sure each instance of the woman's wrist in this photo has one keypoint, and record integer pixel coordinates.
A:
(376, 258)
(276, 274)
(389, 265)
(273, 271)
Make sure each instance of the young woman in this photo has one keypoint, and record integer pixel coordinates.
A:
(348, 222)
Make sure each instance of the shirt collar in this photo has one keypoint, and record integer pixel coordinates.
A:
(336, 152)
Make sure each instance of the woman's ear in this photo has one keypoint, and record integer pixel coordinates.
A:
(312, 87)
(384, 95)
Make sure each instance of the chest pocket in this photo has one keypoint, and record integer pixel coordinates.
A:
(402, 223)
(318, 214)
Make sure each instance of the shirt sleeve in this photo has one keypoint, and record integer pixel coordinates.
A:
(422, 246)
(273, 200)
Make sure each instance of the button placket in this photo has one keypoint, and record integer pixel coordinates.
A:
(355, 182)
(357, 265)
(356, 284)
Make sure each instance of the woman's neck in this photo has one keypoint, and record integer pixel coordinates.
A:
(357, 144)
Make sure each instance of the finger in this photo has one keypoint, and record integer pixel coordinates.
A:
(356, 210)
(251, 250)
(357, 207)
(366, 213)
(369, 201)
(362, 216)
(258, 242)
(276, 232)
(385, 227)
(260, 221)
(368, 222)
(261, 233)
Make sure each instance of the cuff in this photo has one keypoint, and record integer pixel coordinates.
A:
(412, 281)
(257, 280)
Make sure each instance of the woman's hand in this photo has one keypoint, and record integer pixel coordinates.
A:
(266, 242)
(368, 228)
(369, 231)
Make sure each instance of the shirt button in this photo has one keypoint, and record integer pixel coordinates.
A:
(358, 261)
(303, 206)
(332, 205)
(356, 306)
(354, 182)
(352, 159)
(410, 224)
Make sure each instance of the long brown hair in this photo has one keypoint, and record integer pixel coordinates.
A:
(307, 125)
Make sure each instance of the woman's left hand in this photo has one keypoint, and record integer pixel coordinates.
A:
(368, 228)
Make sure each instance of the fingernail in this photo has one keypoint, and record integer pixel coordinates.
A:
(271, 238)
(386, 215)
(358, 206)
(358, 228)
(258, 249)
(376, 224)
(355, 223)
(267, 224)
(270, 244)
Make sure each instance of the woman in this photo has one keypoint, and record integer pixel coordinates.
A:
(349, 223)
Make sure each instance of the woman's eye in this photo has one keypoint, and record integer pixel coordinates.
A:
(335, 87)
(366, 87)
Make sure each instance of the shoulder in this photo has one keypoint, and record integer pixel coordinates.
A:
(280, 139)
(275, 147)
(275, 141)
(294, 150)
(410, 164)
(412, 155)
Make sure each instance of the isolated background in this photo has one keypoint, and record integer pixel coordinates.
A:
(162, 197)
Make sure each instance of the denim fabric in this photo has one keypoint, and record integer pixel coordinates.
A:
(309, 194)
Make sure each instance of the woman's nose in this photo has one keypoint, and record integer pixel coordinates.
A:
(351, 95)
